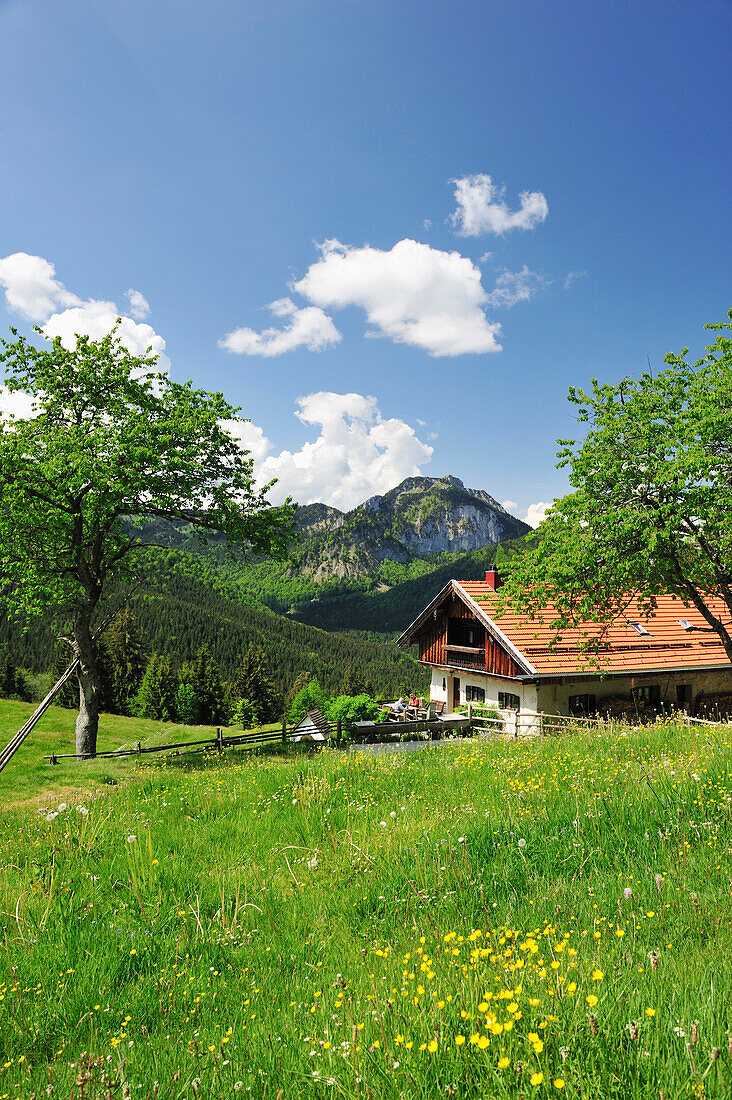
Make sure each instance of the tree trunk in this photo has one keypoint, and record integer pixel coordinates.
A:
(87, 722)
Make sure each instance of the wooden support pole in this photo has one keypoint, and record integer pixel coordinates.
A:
(139, 749)
(284, 729)
(220, 739)
(339, 732)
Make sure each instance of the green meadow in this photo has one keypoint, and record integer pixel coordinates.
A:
(483, 918)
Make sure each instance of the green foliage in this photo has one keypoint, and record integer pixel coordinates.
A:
(205, 679)
(310, 697)
(252, 684)
(245, 714)
(123, 660)
(156, 695)
(112, 441)
(12, 681)
(354, 708)
(651, 510)
(301, 680)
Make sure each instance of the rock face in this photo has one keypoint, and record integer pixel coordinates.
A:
(420, 517)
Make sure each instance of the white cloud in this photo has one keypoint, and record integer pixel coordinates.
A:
(96, 319)
(536, 513)
(17, 403)
(514, 286)
(30, 287)
(357, 453)
(482, 208)
(249, 436)
(572, 277)
(139, 306)
(509, 505)
(309, 327)
(412, 293)
(32, 290)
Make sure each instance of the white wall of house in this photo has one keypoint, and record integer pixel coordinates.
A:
(441, 689)
(553, 697)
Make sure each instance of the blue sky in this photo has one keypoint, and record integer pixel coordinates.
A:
(202, 155)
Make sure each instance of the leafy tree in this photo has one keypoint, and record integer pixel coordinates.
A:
(112, 441)
(186, 701)
(253, 683)
(311, 697)
(156, 697)
(123, 660)
(651, 510)
(354, 708)
(245, 714)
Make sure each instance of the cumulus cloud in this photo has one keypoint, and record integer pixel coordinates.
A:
(31, 289)
(509, 505)
(357, 452)
(139, 306)
(536, 513)
(514, 286)
(412, 294)
(309, 327)
(249, 436)
(16, 404)
(482, 208)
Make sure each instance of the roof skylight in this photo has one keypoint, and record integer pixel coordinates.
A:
(640, 629)
(686, 624)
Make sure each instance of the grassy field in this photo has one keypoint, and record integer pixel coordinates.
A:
(478, 919)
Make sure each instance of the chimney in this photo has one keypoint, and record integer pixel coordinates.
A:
(492, 579)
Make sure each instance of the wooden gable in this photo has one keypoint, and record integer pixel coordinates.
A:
(450, 634)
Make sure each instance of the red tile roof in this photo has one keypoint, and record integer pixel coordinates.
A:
(666, 646)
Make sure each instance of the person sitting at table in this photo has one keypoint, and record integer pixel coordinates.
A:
(414, 700)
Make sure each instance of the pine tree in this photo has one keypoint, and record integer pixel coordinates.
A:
(301, 680)
(156, 696)
(123, 662)
(209, 689)
(351, 682)
(253, 683)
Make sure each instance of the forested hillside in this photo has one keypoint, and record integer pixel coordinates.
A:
(186, 601)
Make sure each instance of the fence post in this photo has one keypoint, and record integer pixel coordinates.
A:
(339, 731)
(284, 729)
(139, 749)
(470, 715)
(220, 739)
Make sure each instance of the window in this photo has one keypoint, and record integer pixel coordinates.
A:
(507, 701)
(474, 694)
(640, 629)
(686, 624)
(683, 693)
(582, 704)
(647, 696)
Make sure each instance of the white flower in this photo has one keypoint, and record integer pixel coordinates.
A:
(392, 814)
(522, 843)
(61, 807)
(462, 840)
(50, 816)
(82, 810)
(313, 863)
(131, 838)
(383, 824)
